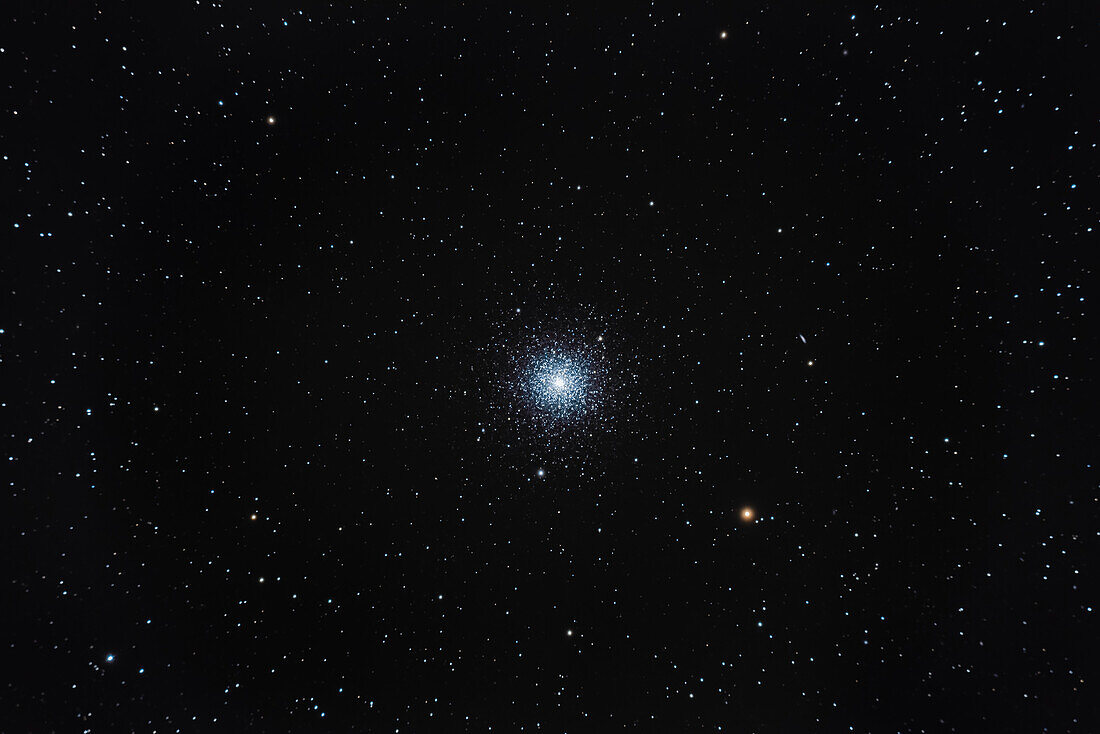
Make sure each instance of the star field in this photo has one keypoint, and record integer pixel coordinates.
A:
(680, 367)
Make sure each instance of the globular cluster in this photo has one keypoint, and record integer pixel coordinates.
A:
(564, 383)
(557, 381)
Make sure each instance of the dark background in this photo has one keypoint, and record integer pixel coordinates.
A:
(208, 317)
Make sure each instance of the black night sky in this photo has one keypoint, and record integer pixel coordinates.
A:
(549, 367)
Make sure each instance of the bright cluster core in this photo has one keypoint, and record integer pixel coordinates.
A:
(557, 387)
